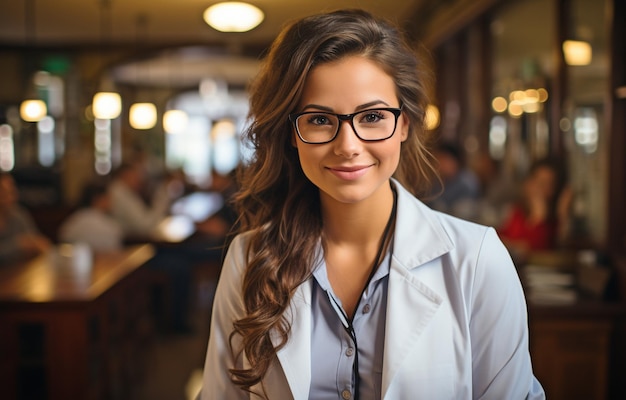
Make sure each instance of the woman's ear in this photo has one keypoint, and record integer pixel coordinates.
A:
(404, 126)
(294, 139)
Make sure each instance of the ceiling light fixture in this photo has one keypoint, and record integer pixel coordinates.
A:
(33, 110)
(143, 115)
(233, 16)
(106, 104)
(577, 52)
(175, 121)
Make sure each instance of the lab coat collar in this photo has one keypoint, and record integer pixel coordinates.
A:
(419, 236)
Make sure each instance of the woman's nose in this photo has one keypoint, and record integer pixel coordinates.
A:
(347, 143)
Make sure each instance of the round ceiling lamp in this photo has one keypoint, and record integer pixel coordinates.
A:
(233, 16)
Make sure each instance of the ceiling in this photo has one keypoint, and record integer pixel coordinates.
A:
(191, 48)
(182, 49)
(72, 22)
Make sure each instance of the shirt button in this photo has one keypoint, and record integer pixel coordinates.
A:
(366, 308)
(350, 351)
(346, 395)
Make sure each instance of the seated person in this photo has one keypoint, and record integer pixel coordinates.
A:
(540, 216)
(137, 217)
(221, 223)
(19, 237)
(92, 223)
(460, 190)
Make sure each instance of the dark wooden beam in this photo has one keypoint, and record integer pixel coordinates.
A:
(435, 21)
(617, 149)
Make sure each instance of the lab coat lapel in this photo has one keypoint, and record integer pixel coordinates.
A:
(295, 356)
(411, 304)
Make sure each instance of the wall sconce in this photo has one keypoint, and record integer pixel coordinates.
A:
(233, 16)
(142, 115)
(33, 110)
(577, 52)
(106, 105)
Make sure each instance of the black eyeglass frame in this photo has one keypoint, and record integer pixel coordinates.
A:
(347, 117)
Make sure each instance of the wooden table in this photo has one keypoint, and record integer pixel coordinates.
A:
(72, 336)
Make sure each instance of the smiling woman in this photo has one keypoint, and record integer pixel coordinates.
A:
(338, 267)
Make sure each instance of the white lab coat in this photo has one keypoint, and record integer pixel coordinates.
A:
(456, 323)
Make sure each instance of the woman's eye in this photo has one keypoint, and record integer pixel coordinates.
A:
(371, 117)
(319, 119)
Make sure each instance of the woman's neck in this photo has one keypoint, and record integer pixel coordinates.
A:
(353, 240)
(359, 223)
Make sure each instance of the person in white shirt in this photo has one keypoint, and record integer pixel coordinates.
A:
(92, 223)
(137, 216)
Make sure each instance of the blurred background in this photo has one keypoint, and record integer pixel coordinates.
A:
(88, 86)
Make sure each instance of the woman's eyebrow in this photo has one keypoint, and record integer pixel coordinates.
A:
(358, 108)
(371, 104)
(317, 107)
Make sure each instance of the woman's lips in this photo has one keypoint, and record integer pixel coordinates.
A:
(349, 173)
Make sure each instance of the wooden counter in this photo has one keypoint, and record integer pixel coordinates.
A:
(571, 347)
(73, 336)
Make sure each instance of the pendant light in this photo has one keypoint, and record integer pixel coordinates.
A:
(106, 104)
(577, 49)
(142, 115)
(174, 121)
(32, 108)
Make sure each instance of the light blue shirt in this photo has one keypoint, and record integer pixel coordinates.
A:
(332, 348)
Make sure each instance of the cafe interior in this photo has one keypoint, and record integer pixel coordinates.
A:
(87, 86)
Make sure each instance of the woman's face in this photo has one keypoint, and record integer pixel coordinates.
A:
(541, 183)
(347, 169)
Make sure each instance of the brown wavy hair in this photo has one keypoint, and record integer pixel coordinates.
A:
(276, 201)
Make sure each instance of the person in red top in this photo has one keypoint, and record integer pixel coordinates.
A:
(539, 218)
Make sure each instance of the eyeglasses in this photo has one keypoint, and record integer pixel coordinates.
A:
(372, 125)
